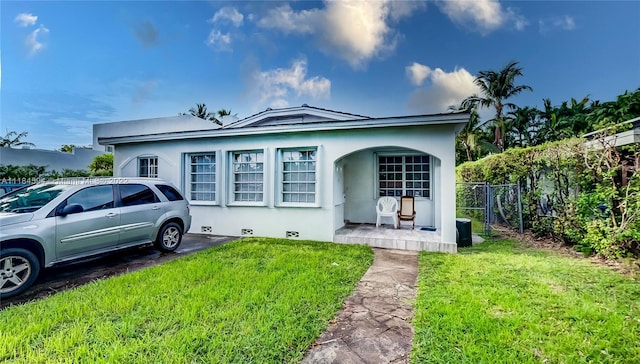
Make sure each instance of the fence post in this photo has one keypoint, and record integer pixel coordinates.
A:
(520, 210)
(488, 209)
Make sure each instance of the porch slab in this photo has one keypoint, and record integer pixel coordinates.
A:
(405, 238)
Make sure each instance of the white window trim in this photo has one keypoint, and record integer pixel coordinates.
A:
(186, 183)
(278, 178)
(376, 166)
(231, 178)
(148, 157)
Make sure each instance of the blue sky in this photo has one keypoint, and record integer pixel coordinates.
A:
(69, 64)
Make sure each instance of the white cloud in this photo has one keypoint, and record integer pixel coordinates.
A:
(355, 31)
(32, 42)
(444, 89)
(219, 41)
(560, 22)
(483, 16)
(417, 73)
(26, 19)
(285, 19)
(276, 86)
(228, 14)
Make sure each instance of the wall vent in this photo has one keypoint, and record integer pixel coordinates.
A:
(205, 229)
(293, 234)
(246, 232)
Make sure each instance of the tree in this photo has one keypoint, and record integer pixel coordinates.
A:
(497, 88)
(102, 165)
(68, 148)
(222, 113)
(522, 125)
(200, 111)
(13, 139)
(471, 137)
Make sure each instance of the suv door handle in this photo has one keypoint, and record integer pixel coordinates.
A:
(111, 214)
(155, 208)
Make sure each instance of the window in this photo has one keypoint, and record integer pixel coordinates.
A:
(93, 198)
(298, 176)
(170, 193)
(247, 176)
(148, 167)
(407, 175)
(201, 178)
(135, 194)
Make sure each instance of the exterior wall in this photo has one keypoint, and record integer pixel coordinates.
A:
(335, 174)
(53, 160)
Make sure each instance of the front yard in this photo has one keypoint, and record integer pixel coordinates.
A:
(266, 301)
(499, 302)
(252, 301)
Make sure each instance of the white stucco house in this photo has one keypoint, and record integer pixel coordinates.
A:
(300, 172)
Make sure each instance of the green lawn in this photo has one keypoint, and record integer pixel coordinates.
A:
(500, 303)
(251, 301)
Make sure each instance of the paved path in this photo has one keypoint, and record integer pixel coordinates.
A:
(375, 323)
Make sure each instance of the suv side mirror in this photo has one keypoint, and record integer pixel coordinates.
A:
(73, 208)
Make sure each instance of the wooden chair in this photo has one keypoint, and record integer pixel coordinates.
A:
(387, 207)
(407, 210)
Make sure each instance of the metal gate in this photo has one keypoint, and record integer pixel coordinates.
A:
(491, 204)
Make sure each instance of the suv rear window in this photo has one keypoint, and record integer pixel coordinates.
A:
(135, 194)
(170, 193)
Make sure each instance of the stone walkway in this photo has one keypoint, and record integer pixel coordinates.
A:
(375, 323)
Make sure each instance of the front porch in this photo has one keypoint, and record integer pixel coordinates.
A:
(387, 237)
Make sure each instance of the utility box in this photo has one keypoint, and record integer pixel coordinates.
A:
(463, 232)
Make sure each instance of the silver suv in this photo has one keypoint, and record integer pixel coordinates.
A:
(53, 222)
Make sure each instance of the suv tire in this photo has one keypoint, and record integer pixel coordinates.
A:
(169, 238)
(19, 268)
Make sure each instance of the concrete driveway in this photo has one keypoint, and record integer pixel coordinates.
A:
(60, 278)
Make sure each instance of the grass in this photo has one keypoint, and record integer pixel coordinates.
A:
(501, 303)
(251, 301)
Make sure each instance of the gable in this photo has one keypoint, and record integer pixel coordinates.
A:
(290, 116)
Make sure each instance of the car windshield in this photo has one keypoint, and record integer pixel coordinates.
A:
(32, 198)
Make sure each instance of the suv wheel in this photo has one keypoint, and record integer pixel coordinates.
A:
(169, 238)
(19, 268)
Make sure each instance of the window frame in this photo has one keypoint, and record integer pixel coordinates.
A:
(280, 177)
(231, 174)
(114, 198)
(404, 155)
(149, 165)
(186, 175)
(121, 196)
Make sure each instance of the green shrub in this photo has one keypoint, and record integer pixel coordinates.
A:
(594, 207)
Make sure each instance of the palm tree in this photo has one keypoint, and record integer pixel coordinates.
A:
(523, 123)
(496, 88)
(221, 113)
(13, 139)
(556, 123)
(200, 111)
(470, 137)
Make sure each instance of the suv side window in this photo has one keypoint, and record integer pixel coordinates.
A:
(93, 198)
(170, 193)
(136, 194)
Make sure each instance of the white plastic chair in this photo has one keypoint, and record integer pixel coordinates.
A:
(387, 207)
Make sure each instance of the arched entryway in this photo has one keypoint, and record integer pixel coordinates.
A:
(363, 176)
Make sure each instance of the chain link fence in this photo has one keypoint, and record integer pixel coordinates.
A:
(490, 204)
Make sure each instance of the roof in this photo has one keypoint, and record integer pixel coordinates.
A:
(293, 115)
(626, 137)
(156, 125)
(289, 120)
